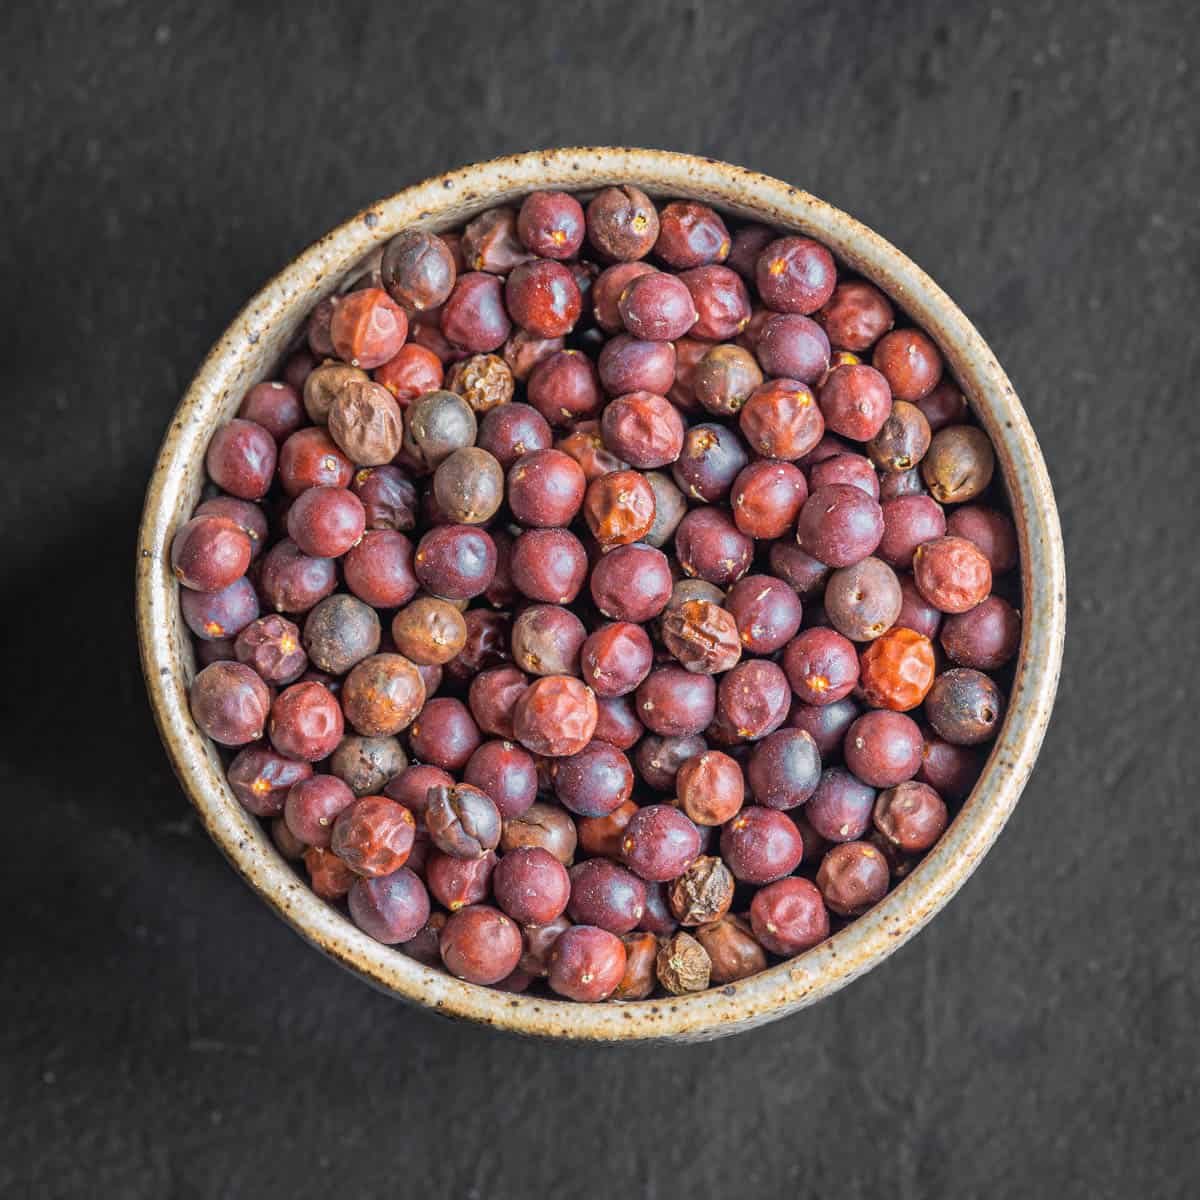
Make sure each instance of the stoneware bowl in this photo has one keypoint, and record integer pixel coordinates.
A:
(249, 351)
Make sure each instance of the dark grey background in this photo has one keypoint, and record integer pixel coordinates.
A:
(163, 1035)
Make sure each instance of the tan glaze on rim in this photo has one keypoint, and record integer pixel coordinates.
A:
(248, 352)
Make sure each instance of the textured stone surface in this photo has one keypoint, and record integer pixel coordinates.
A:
(162, 1034)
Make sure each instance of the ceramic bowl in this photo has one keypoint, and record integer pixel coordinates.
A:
(249, 351)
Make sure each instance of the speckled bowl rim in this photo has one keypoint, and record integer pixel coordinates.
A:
(262, 331)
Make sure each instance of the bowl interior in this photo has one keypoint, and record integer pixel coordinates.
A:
(250, 350)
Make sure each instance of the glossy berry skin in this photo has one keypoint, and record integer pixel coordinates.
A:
(856, 315)
(325, 522)
(753, 699)
(615, 659)
(293, 582)
(479, 944)
(628, 364)
(456, 562)
(247, 516)
(594, 781)
(659, 843)
(781, 419)
(208, 553)
(275, 406)
(984, 638)
(840, 808)
(413, 370)
(474, 316)
(261, 779)
(511, 430)
(789, 916)
(964, 706)
(457, 882)
(311, 458)
(910, 362)
(916, 613)
(506, 773)
(543, 298)
(945, 405)
(801, 572)
(950, 770)
(826, 722)
(863, 601)
(374, 836)
(839, 525)
(821, 666)
(853, 469)
(546, 640)
(784, 769)
(313, 804)
(531, 886)
(911, 816)
(213, 616)
(241, 459)
(993, 532)
(793, 347)
(691, 235)
(660, 759)
(952, 574)
(902, 440)
(761, 845)
(883, 748)
(711, 459)
(709, 545)
(551, 224)
(444, 734)
(545, 489)
(676, 703)
(657, 308)
(230, 703)
(606, 895)
(767, 498)
(631, 583)
(379, 569)
(586, 963)
(767, 612)
(855, 401)
(908, 522)
(795, 275)
(565, 388)
(853, 877)
(492, 696)
(390, 908)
